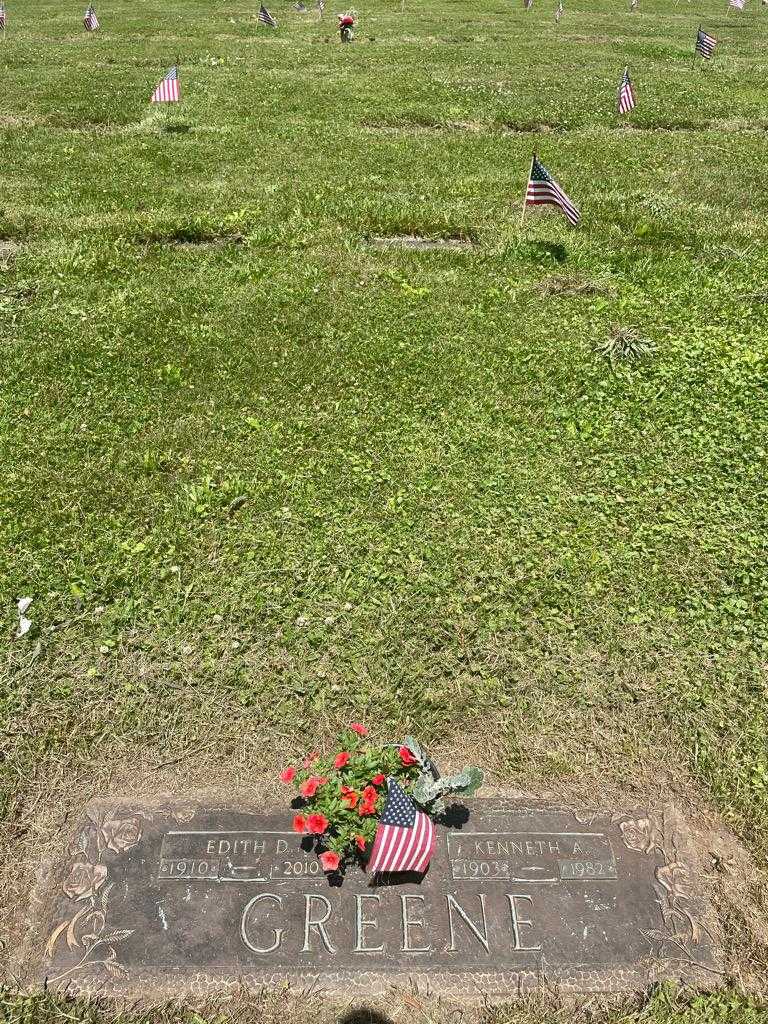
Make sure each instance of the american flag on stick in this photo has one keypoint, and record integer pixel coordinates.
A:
(559, 11)
(405, 839)
(543, 190)
(90, 20)
(3, 17)
(738, 5)
(266, 18)
(320, 7)
(705, 44)
(626, 93)
(168, 90)
(527, 4)
(633, 4)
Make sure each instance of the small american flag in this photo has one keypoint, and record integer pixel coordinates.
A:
(736, 4)
(633, 5)
(321, 6)
(705, 44)
(543, 190)
(527, 4)
(168, 90)
(3, 17)
(300, 8)
(90, 20)
(405, 839)
(559, 12)
(626, 93)
(266, 18)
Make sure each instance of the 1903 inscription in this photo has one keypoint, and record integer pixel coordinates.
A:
(514, 892)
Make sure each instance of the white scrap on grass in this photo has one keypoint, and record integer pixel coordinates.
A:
(25, 624)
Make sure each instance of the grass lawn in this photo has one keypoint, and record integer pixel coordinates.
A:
(259, 475)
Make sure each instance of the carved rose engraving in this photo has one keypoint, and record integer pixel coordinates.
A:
(105, 834)
(121, 834)
(638, 834)
(84, 880)
(674, 879)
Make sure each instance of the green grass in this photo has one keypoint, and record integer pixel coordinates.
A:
(459, 517)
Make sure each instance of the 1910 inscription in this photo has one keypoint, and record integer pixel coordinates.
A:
(515, 895)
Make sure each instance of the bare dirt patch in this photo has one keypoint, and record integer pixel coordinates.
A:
(418, 243)
(569, 285)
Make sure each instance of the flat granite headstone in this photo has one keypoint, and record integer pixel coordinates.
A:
(186, 898)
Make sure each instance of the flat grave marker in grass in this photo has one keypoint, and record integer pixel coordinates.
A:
(191, 898)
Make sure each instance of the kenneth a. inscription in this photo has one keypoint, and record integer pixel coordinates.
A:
(178, 898)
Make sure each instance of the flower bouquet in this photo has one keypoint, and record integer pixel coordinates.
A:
(343, 795)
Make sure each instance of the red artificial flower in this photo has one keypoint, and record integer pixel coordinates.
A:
(342, 760)
(287, 774)
(317, 824)
(311, 786)
(310, 759)
(359, 729)
(349, 797)
(377, 779)
(299, 823)
(330, 860)
(360, 840)
(406, 757)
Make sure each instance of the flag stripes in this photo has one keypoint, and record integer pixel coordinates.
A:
(543, 190)
(168, 90)
(626, 94)
(266, 18)
(705, 44)
(405, 837)
(90, 20)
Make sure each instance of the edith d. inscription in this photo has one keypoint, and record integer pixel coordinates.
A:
(190, 898)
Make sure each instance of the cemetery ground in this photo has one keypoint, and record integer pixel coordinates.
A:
(262, 477)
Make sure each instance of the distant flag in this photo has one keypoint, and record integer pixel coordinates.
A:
(90, 20)
(300, 8)
(266, 18)
(738, 5)
(705, 44)
(320, 7)
(633, 5)
(543, 190)
(626, 94)
(405, 838)
(559, 11)
(527, 4)
(3, 17)
(168, 90)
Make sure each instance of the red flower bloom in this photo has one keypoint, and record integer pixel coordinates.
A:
(360, 840)
(359, 729)
(299, 823)
(369, 795)
(342, 760)
(317, 824)
(349, 797)
(311, 786)
(366, 806)
(287, 774)
(330, 860)
(310, 759)
(377, 779)
(406, 757)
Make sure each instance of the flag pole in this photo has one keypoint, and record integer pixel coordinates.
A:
(525, 197)
(695, 49)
